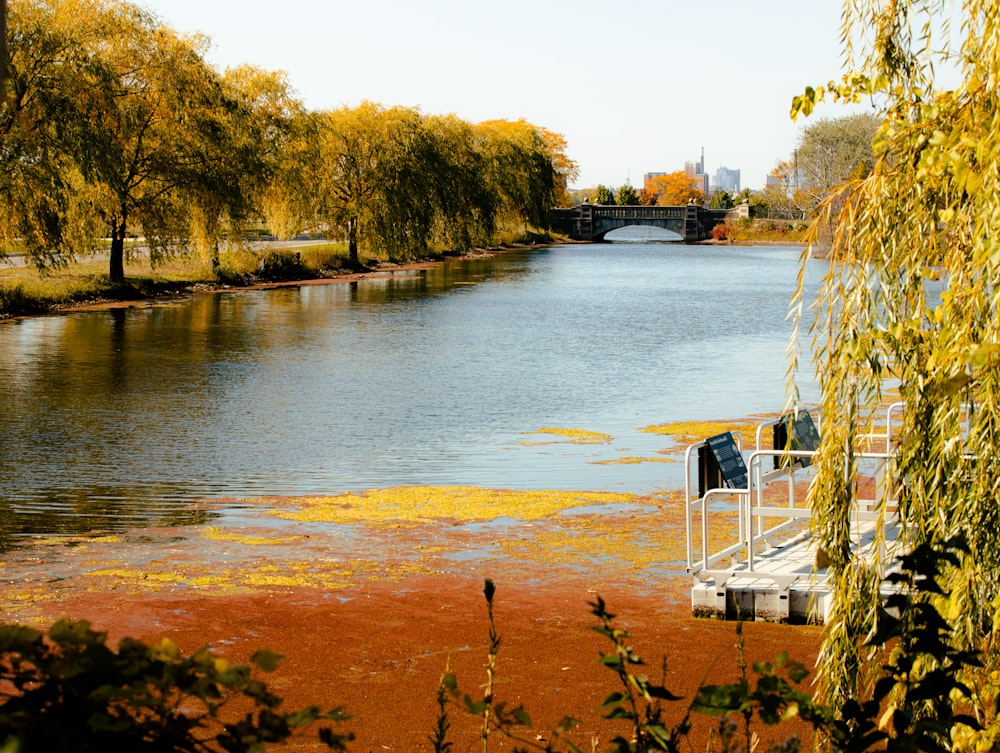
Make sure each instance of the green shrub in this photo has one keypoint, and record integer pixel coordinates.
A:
(281, 265)
(68, 692)
(15, 302)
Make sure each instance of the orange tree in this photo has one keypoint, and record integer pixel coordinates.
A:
(675, 189)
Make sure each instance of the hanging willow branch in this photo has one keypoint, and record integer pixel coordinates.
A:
(911, 301)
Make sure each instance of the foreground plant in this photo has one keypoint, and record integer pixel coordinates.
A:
(637, 702)
(67, 691)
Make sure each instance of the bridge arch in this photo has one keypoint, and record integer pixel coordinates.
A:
(642, 234)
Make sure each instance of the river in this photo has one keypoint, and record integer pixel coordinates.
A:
(122, 418)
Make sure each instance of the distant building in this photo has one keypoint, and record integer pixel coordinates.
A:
(648, 177)
(727, 180)
(788, 181)
(696, 172)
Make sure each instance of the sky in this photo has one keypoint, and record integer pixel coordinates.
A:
(634, 86)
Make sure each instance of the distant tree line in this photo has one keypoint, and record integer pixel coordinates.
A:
(115, 125)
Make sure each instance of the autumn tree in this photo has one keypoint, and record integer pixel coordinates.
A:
(116, 121)
(466, 209)
(833, 150)
(675, 189)
(151, 135)
(909, 305)
(285, 137)
(521, 170)
(230, 160)
(564, 168)
(370, 179)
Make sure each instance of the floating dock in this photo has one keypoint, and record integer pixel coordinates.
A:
(748, 543)
(785, 585)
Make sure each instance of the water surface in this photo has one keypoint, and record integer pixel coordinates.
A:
(124, 417)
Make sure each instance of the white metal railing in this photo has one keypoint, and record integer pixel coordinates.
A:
(753, 510)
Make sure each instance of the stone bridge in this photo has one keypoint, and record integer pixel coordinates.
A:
(591, 222)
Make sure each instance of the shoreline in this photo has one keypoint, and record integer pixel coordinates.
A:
(382, 270)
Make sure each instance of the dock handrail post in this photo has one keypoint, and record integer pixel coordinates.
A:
(688, 521)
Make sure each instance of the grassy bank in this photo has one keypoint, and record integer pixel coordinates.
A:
(26, 290)
(762, 231)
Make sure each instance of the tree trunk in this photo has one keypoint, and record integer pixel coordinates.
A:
(352, 242)
(116, 269)
(215, 258)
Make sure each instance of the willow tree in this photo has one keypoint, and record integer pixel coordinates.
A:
(911, 303)
(282, 130)
(520, 170)
(368, 178)
(456, 168)
(44, 203)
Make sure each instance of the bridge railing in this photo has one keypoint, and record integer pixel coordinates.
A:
(639, 212)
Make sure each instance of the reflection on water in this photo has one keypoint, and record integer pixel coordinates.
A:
(125, 417)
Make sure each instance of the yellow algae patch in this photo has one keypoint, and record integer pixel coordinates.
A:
(632, 460)
(75, 540)
(216, 534)
(689, 432)
(213, 581)
(138, 579)
(421, 504)
(593, 542)
(575, 436)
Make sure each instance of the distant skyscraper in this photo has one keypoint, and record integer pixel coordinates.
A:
(727, 180)
(696, 172)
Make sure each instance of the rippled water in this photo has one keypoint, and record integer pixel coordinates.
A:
(123, 417)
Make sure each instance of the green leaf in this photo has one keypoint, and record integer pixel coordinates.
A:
(618, 713)
(75, 633)
(449, 682)
(721, 699)
(266, 660)
(476, 708)
(521, 716)
(613, 700)
(566, 724)
(17, 637)
(612, 660)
